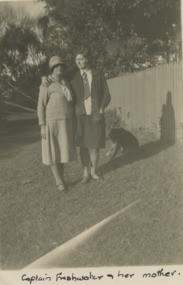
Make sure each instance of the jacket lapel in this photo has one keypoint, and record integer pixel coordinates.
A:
(79, 83)
(94, 74)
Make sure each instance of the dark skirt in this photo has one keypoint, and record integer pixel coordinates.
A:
(90, 132)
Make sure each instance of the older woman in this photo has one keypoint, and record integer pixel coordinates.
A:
(55, 114)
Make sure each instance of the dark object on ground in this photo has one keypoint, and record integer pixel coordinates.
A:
(121, 138)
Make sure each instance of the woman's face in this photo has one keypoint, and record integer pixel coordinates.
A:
(58, 70)
(81, 61)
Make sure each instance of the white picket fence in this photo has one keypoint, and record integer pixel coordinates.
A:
(142, 95)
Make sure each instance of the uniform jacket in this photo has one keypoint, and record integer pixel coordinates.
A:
(100, 95)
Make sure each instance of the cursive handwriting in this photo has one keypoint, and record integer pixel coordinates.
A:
(35, 278)
(58, 277)
(72, 277)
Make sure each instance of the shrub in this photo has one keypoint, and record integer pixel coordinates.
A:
(113, 120)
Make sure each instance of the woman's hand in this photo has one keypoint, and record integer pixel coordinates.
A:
(43, 132)
(101, 111)
(46, 81)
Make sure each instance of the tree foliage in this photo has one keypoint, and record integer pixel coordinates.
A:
(133, 32)
(123, 36)
(20, 55)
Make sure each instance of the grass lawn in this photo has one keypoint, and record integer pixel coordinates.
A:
(35, 219)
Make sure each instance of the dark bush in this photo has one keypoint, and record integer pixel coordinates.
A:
(113, 119)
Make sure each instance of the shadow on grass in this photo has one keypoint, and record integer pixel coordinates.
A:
(17, 134)
(144, 151)
(74, 183)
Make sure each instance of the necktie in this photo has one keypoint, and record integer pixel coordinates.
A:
(86, 87)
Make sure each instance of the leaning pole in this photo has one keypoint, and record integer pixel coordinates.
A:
(181, 5)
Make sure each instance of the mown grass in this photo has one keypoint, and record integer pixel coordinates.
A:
(35, 219)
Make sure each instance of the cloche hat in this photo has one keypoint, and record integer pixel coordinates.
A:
(55, 60)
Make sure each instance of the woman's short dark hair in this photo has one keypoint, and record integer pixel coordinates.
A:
(85, 52)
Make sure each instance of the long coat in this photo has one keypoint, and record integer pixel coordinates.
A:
(100, 95)
(52, 104)
(56, 113)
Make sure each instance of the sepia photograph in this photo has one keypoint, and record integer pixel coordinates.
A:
(91, 140)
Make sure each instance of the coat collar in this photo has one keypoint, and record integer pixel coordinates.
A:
(87, 71)
(94, 72)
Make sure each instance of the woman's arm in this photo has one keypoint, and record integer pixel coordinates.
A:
(106, 95)
(46, 81)
(43, 132)
(41, 109)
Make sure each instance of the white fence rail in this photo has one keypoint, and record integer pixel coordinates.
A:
(144, 97)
